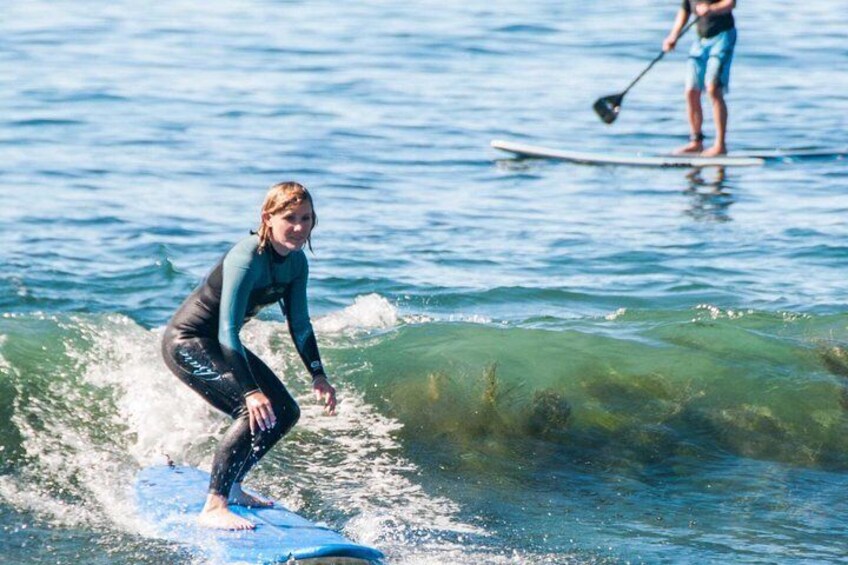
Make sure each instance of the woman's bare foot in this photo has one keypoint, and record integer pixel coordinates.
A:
(241, 498)
(714, 151)
(217, 515)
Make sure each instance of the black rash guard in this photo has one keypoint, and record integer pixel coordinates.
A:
(201, 346)
(240, 285)
(709, 25)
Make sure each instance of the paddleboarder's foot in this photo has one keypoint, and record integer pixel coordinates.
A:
(241, 498)
(218, 516)
(714, 151)
(694, 146)
(224, 519)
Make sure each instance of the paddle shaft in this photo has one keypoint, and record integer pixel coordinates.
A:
(656, 59)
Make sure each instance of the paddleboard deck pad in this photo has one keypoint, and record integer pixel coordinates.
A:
(169, 498)
(748, 159)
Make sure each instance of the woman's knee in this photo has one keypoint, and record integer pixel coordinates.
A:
(287, 414)
(286, 419)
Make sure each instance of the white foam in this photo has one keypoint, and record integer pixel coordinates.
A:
(368, 312)
(162, 416)
(715, 312)
(359, 466)
(86, 454)
(4, 365)
(353, 461)
(30, 498)
(612, 316)
(470, 318)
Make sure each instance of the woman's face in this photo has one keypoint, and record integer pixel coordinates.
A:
(290, 228)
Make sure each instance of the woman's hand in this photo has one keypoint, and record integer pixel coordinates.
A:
(702, 9)
(325, 392)
(260, 413)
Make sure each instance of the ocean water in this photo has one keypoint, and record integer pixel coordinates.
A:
(538, 362)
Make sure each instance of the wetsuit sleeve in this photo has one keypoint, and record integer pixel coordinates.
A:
(686, 7)
(238, 278)
(300, 326)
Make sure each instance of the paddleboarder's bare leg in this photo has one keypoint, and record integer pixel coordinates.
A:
(720, 118)
(238, 496)
(217, 515)
(696, 119)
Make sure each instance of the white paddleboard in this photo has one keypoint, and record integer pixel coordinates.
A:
(637, 160)
(169, 498)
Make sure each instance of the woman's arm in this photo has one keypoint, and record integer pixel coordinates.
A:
(238, 276)
(240, 271)
(300, 325)
(303, 336)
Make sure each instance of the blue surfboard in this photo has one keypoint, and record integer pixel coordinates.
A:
(169, 498)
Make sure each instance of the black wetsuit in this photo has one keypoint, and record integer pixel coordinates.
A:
(709, 25)
(201, 346)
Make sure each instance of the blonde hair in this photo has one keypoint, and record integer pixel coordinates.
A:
(281, 197)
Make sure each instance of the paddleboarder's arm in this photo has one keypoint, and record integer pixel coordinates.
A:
(671, 40)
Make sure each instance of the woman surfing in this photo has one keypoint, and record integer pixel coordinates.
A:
(201, 346)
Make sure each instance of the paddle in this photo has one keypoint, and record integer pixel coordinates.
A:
(608, 107)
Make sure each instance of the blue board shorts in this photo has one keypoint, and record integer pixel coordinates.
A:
(710, 59)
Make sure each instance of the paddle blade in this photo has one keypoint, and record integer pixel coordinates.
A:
(608, 107)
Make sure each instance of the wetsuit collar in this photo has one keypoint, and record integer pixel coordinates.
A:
(276, 257)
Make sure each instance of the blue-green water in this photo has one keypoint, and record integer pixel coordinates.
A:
(538, 362)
